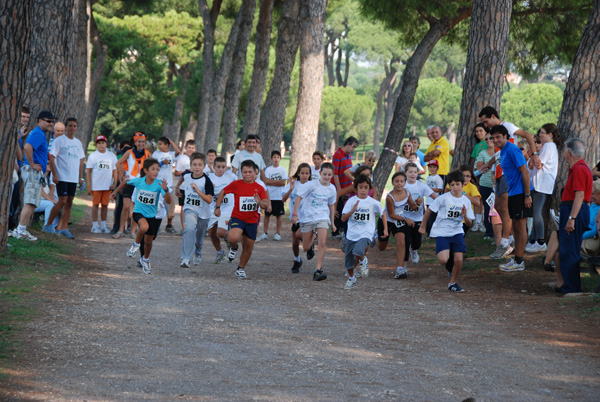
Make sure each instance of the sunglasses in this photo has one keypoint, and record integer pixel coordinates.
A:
(407, 146)
(488, 138)
(49, 121)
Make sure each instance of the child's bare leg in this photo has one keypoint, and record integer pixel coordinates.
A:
(307, 240)
(458, 263)
(233, 237)
(322, 233)
(443, 256)
(214, 238)
(124, 214)
(103, 213)
(279, 220)
(400, 249)
(147, 245)
(248, 246)
(95, 213)
(296, 239)
(143, 224)
(266, 223)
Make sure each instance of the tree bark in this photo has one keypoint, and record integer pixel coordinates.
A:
(241, 27)
(338, 66)
(384, 87)
(260, 70)
(209, 19)
(273, 115)
(306, 124)
(390, 105)
(189, 131)
(580, 112)
(15, 34)
(410, 79)
(486, 60)
(236, 82)
(185, 73)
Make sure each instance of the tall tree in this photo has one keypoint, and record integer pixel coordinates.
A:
(15, 34)
(486, 59)
(272, 118)
(579, 116)
(306, 124)
(259, 70)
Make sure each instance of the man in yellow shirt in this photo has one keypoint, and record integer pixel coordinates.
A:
(439, 149)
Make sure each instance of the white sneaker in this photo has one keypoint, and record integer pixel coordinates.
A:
(10, 233)
(512, 266)
(133, 250)
(535, 247)
(401, 273)
(231, 255)
(105, 230)
(363, 267)
(185, 263)
(146, 266)
(482, 227)
(197, 259)
(263, 236)
(350, 284)
(24, 235)
(96, 229)
(277, 237)
(414, 256)
(240, 274)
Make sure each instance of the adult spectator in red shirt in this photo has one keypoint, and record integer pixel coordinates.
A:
(574, 214)
(342, 161)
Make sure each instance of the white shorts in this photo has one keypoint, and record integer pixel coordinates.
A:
(312, 226)
(222, 222)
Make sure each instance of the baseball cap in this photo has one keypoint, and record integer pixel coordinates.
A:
(433, 162)
(101, 138)
(44, 114)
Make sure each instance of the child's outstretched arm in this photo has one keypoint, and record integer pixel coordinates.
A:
(347, 215)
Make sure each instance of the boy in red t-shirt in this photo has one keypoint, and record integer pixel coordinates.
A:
(249, 196)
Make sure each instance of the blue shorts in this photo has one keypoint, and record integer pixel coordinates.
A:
(248, 229)
(455, 244)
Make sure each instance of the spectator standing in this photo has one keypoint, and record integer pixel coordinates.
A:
(486, 183)
(32, 172)
(574, 214)
(249, 152)
(342, 160)
(416, 143)
(480, 132)
(404, 154)
(439, 149)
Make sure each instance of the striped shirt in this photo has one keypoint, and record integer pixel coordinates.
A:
(341, 162)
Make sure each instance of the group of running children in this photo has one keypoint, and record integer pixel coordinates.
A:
(228, 207)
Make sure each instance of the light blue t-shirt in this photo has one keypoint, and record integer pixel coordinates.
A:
(511, 159)
(146, 200)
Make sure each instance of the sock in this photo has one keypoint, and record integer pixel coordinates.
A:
(94, 224)
(145, 259)
(136, 244)
(352, 278)
(297, 259)
(541, 242)
(21, 228)
(103, 224)
(362, 260)
(518, 260)
(504, 242)
(242, 268)
(478, 218)
(511, 239)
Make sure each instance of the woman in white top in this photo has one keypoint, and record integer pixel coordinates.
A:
(402, 159)
(543, 178)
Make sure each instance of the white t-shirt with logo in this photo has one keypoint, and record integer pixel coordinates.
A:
(68, 154)
(449, 221)
(316, 199)
(193, 201)
(166, 159)
(293, 195)
(245, 155)
(314, 173)
(219, 183)
(418, 190)
(103, 165)
(433, 181)
(361, 224)
(276, 173)
(182, 163)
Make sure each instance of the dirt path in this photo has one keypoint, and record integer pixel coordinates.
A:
(110, 333)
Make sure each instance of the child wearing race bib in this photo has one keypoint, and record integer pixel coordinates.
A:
(418, 190)
(198, 195)
(360, 212)
(149, 191)
(291, 191)
(452, 209)
(243, 225)
(101, 172)
(217, 226)
(317, 199)
(397, 203)
(275, 178)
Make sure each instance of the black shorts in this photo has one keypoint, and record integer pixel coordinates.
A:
(394, 229)
(516, 207)
(295, 227)
(152, 226)
(276, 208)
(65, 189)
(127, 191)
(182, 198)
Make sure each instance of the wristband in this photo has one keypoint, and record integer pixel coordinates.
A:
(217, 207)
(294, 214)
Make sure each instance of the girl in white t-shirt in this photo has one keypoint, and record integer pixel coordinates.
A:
(291, 191)
(317, 214)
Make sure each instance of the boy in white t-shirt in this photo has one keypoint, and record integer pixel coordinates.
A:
(361, 213)
(218, 226)
(452, 209)
(275, 178)
(166, 160)
(101, 172)
(211, 155)
(436, 183)
(181, 165)
(318, 159)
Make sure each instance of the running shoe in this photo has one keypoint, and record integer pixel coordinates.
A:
(414, 256)
(23, 235)
(363, 267)
(310, 253)
(197, 259)
(240, 273)
(512, 266)
(96, 229)
(455, 287)
(296, 267)
(117, 235)
(501, 252)
(220, 256)
(49, 229)
(401, 273)
(277, 237)
(105, 230)
(350, 284)
(185, 263)
(263, 236)
(535, 247)
(170, 229)
(133, 250)
(139, 263)
(482, 228)
(319, 275)
(231, 255)
(146, 266)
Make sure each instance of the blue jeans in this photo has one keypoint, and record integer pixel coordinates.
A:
(570, 246)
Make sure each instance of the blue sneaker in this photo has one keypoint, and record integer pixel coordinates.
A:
(66, 233)
(49, 229)
(455, 287)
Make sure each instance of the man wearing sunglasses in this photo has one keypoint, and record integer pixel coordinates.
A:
(32, 172)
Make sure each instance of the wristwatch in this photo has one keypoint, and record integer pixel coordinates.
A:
(536, 153)
(571, 218)
(527, 195)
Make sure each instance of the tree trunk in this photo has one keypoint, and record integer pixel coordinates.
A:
(236, 82)
(273, 115)
(384, 87)
(79, 73)
(327, 142)
(306, 124)
(390, 105)
(347, 71)
(338, 66)
(209, 19)
(329, 63)
(409, 83)
(486, 60)
(580, 112)
(259, 71)
(15, 35)
(189, 131)
(241, 27)
(185, 73)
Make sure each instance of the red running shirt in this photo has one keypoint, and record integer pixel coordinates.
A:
(245, 207)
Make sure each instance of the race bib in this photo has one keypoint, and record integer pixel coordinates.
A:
(146, 197)
(248, 204)
(104, 165)
(400, 224)
(362, 215)
(453, 212)
(193, 199)
(225, 200)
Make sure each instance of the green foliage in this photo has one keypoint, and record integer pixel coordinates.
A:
(436, 102)
(531, 106)
(345, 111)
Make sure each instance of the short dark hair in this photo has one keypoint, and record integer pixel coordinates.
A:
(415, 137)
(252, 137)
(399, 174)
(328, 165)
(239, 144)
(319, 153)
(410, 165)
(220, 159)
(360, 178)
(351, 141)
(197, 155)
(148, 162)
(301, 166)
(276, 152)
(25, 109)
(70, 119)
(455, 175)
(499, 129)
(164, 140)
(211, 151)
(361, 169)
(489, 111)
(190, 142)
(249, 163)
